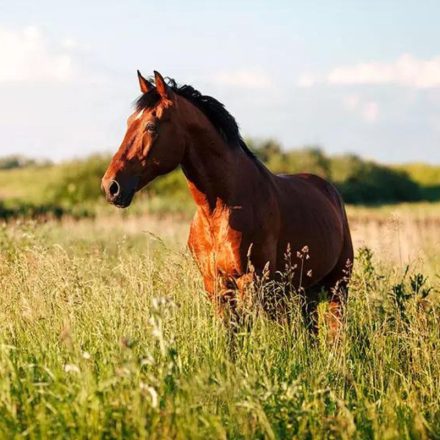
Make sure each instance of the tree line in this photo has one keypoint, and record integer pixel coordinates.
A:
(77, 183)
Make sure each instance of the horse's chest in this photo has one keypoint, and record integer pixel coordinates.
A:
(226, 243)
(216, 246)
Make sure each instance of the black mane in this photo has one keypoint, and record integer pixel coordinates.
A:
(213, 109)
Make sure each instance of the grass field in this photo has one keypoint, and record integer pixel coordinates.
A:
(106, 333)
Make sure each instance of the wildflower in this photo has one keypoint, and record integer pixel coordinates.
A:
(309, 273)
(148, 360)
(152, 392)
(86, 355)
(156, 333)
(71, 368)
(122, 372)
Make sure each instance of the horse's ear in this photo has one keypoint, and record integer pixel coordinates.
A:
(144, 84)
(161, 86)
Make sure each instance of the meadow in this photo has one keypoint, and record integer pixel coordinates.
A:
(106, 333)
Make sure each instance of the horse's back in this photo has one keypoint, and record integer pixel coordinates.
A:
(310, 186)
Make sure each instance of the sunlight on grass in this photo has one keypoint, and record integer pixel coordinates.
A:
(106, 332)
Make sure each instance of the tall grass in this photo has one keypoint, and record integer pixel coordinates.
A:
(106, 333)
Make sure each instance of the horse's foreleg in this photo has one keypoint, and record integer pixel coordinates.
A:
(334, 294)
(310, 301)
(234, 299)
(334, 315)
(235, 308)
(336, 285)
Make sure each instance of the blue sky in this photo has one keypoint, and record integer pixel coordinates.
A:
(351, 76)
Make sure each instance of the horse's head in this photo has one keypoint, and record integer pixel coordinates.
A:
(153, 144)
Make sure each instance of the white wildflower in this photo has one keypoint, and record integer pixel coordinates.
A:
(152, 392)
(71, 368)
(148, 360)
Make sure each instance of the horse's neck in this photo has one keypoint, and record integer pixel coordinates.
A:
(218, 174)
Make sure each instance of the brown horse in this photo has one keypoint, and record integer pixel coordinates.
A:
(244, 212)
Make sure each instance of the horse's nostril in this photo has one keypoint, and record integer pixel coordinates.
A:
(114, 188)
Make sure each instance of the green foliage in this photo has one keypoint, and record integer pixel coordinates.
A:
(366, 267)
(171, 185)
(308, 159)
(264, 150)
(17, 161)
(78, 181)
(69, 185)
(360, 181)
(426, 176)
(364, 182)
(30, 211)
(311, 160)
(417, 289)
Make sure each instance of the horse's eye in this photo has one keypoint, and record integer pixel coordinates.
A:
(151, 128)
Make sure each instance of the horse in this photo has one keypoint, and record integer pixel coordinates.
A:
(246, 216)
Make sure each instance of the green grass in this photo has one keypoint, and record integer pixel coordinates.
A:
(27, 184)
(106, 333)
(39, 191)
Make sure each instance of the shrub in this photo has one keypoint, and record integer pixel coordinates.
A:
(18, 161)
(78, 182)
(360, 182)
(367, 182)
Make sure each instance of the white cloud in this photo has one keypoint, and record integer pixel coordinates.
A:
(307, 80)
(69, 43)
(351, 102)
(370, 111)
(244, 78)
(407, 71)
(26, 55)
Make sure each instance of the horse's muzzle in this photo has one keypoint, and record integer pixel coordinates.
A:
(116, 194)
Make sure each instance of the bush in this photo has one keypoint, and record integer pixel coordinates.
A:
(360, 181)
(78, 182)
(426, 176)
(173, 185)
(17, 161)
(367, 183)
(308, 159)
(75, 184)
(25, 210)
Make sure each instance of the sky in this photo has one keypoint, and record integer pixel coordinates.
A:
(353, 76)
